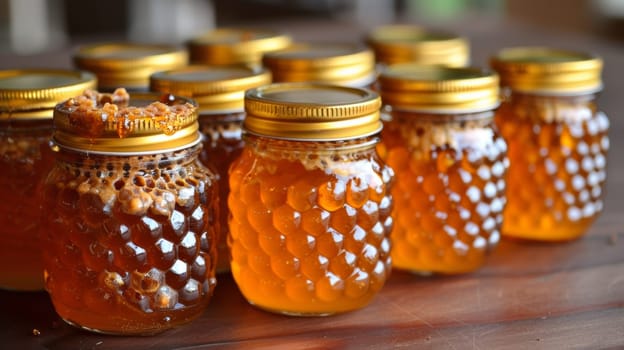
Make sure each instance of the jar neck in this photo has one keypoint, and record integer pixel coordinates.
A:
(509, 95)
(26, 124)
(268, 144)
(221, 117)
(163, 160)
(389, 113)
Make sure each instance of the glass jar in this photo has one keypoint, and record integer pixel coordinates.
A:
(235, 46)
(408, 43)
(450, 165)
(340, 64)
(558, 141)
(27, 98)
(131, 214)
(219, 92)
(310, 200)
(128, 64)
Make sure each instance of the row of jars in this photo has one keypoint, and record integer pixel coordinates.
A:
(309, 192)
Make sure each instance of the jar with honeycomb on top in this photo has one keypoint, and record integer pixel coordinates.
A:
(310, 200)
(130, 214)
(558, 141)
(450, 165)
(27, 100)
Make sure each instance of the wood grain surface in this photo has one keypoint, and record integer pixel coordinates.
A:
(528, 296)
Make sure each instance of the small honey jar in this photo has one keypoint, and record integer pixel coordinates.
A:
(219, 92)
(27, 100)
(128, 64)
(131, 215)
(450, 165)
(408, 43)
(330, 63)
(235, 46)
(558, 141)
(310, 200)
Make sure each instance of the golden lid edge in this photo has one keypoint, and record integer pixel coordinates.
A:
(242, 52)
(295, 56)
(171, 56)
(439, 89)
(185, 138)
(12, 100)
(288, 111)
(164, 82)
(545, 70)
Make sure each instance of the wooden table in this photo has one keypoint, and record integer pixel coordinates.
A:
(529, 295)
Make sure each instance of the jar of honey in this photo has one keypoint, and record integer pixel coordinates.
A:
(27, 99)
(558, 141)
(339, 64)
(219, 92)
(408, 43)
(450, 165)
(235, 46)
(130, 214)
(310, 200)
(128, 64)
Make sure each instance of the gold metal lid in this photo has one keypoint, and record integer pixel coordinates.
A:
(438, 89)
(142, 123)
(341, 64)
(128, 65)
(311, 112)
(548, 71)
(33, 93)
(228, 46)
(408, 43)
(216, 89)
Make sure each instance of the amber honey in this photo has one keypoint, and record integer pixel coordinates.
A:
(27, 98)
(131, 235)
(450, 165)
(219, 92)
(558, 142)
(310, 217)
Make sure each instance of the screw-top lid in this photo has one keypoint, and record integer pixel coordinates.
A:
(311, 112)
(437, 89)
(342, 64)
(33, 93)
(128, 64)
(119, 124)
(216, 89)
(231, 46)
(548, 71)
(408, 43)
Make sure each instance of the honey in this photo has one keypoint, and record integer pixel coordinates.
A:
(310, 200)
(130, 214)
(450, 165)
(219, 92)
(27, 98)
(558, 142)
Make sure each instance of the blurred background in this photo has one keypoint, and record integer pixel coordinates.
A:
(35, 26)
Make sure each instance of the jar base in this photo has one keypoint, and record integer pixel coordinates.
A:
(292, 313)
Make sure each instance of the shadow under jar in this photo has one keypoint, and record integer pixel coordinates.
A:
(310, 200)
(27, 99)
(130, 214)
(558, 141)
(450, 165)
(219, 92)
